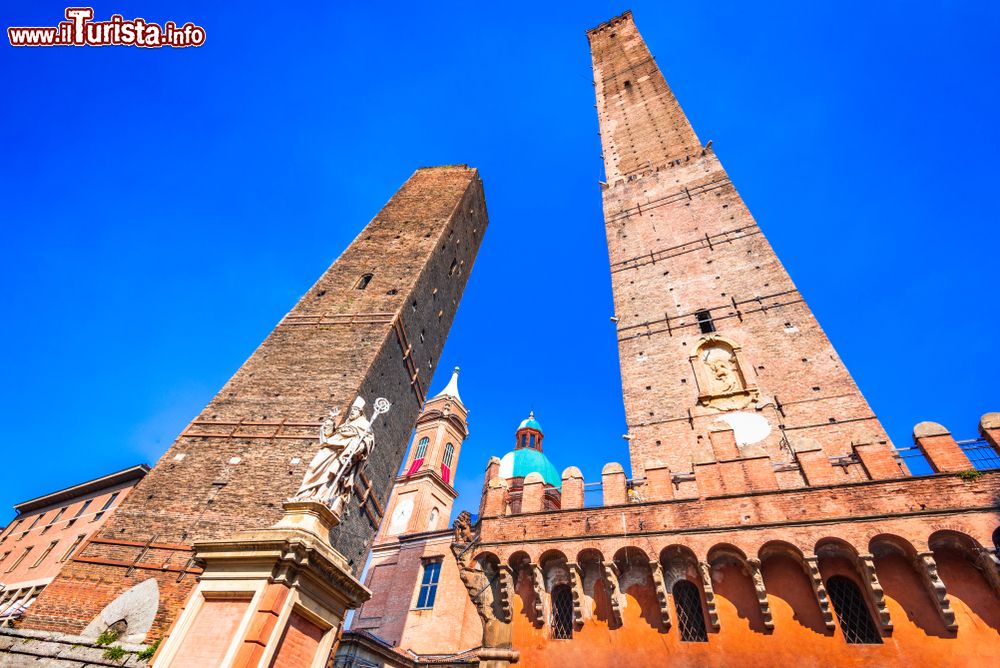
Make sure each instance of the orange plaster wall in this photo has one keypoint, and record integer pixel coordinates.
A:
(299, 643)
(211, 634)
(799, 638)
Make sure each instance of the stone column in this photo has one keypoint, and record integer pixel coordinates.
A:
(927, 568)
(866, 568)
(660, 585)
(610, 572)
(706, 582)
(987, 562)
(753, 567)
(576, 586)
(811, 566)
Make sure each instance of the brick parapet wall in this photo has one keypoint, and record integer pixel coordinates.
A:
(912, 507)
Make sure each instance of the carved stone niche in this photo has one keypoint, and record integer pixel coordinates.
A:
(719, 371)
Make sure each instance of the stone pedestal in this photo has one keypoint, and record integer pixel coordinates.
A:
(270, 595)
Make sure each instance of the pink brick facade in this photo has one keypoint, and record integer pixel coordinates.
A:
(50, 530)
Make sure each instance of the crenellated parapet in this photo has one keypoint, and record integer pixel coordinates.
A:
(726, 469)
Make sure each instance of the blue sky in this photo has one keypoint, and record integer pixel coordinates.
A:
(162, 209)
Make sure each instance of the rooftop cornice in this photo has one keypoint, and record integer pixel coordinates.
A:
(624, 16)
(136, 472)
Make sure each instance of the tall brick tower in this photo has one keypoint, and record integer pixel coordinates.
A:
(372, 325)
(712, 333)
(767, 521)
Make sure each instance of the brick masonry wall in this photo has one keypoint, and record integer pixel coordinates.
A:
(63, 531)
(247, 451)
(450, 626)
(680, 239)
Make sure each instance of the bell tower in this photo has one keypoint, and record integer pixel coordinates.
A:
(423, 496)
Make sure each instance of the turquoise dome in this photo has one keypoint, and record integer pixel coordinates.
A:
(531, 423)
(519, 463)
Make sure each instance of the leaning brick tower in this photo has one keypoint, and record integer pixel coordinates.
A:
(373, 325)
(712, 332)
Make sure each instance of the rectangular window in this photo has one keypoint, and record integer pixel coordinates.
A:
(83, 509)
(72, 548)
(12, 530)
(111, 499)
(44, 554)
(55, 519)
(429, 585)
(19, 559)
(4, 557)
(37, 519)
(705, 322)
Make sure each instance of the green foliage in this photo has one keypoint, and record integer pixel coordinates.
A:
(114, 653)
(970, 476)
(147, 654)
(107, 637)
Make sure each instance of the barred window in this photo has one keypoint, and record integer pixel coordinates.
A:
(429, 585)
(422, 448)
(690, 618)
(449, 454)
(562, 613)
(852, 613)
(705, 321)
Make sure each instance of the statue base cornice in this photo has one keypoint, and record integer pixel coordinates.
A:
(286, 573)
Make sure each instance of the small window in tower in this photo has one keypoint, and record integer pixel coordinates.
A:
(628, 84)
(524, 440)
(531, 441)
(852, 612)
(562, 613)
(421, 448)
(449, 454)
(364, 281)
(705, 322)
(453, 267)
(432, 518)
(428, 585)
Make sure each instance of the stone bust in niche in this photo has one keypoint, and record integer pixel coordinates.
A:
(722, 384)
